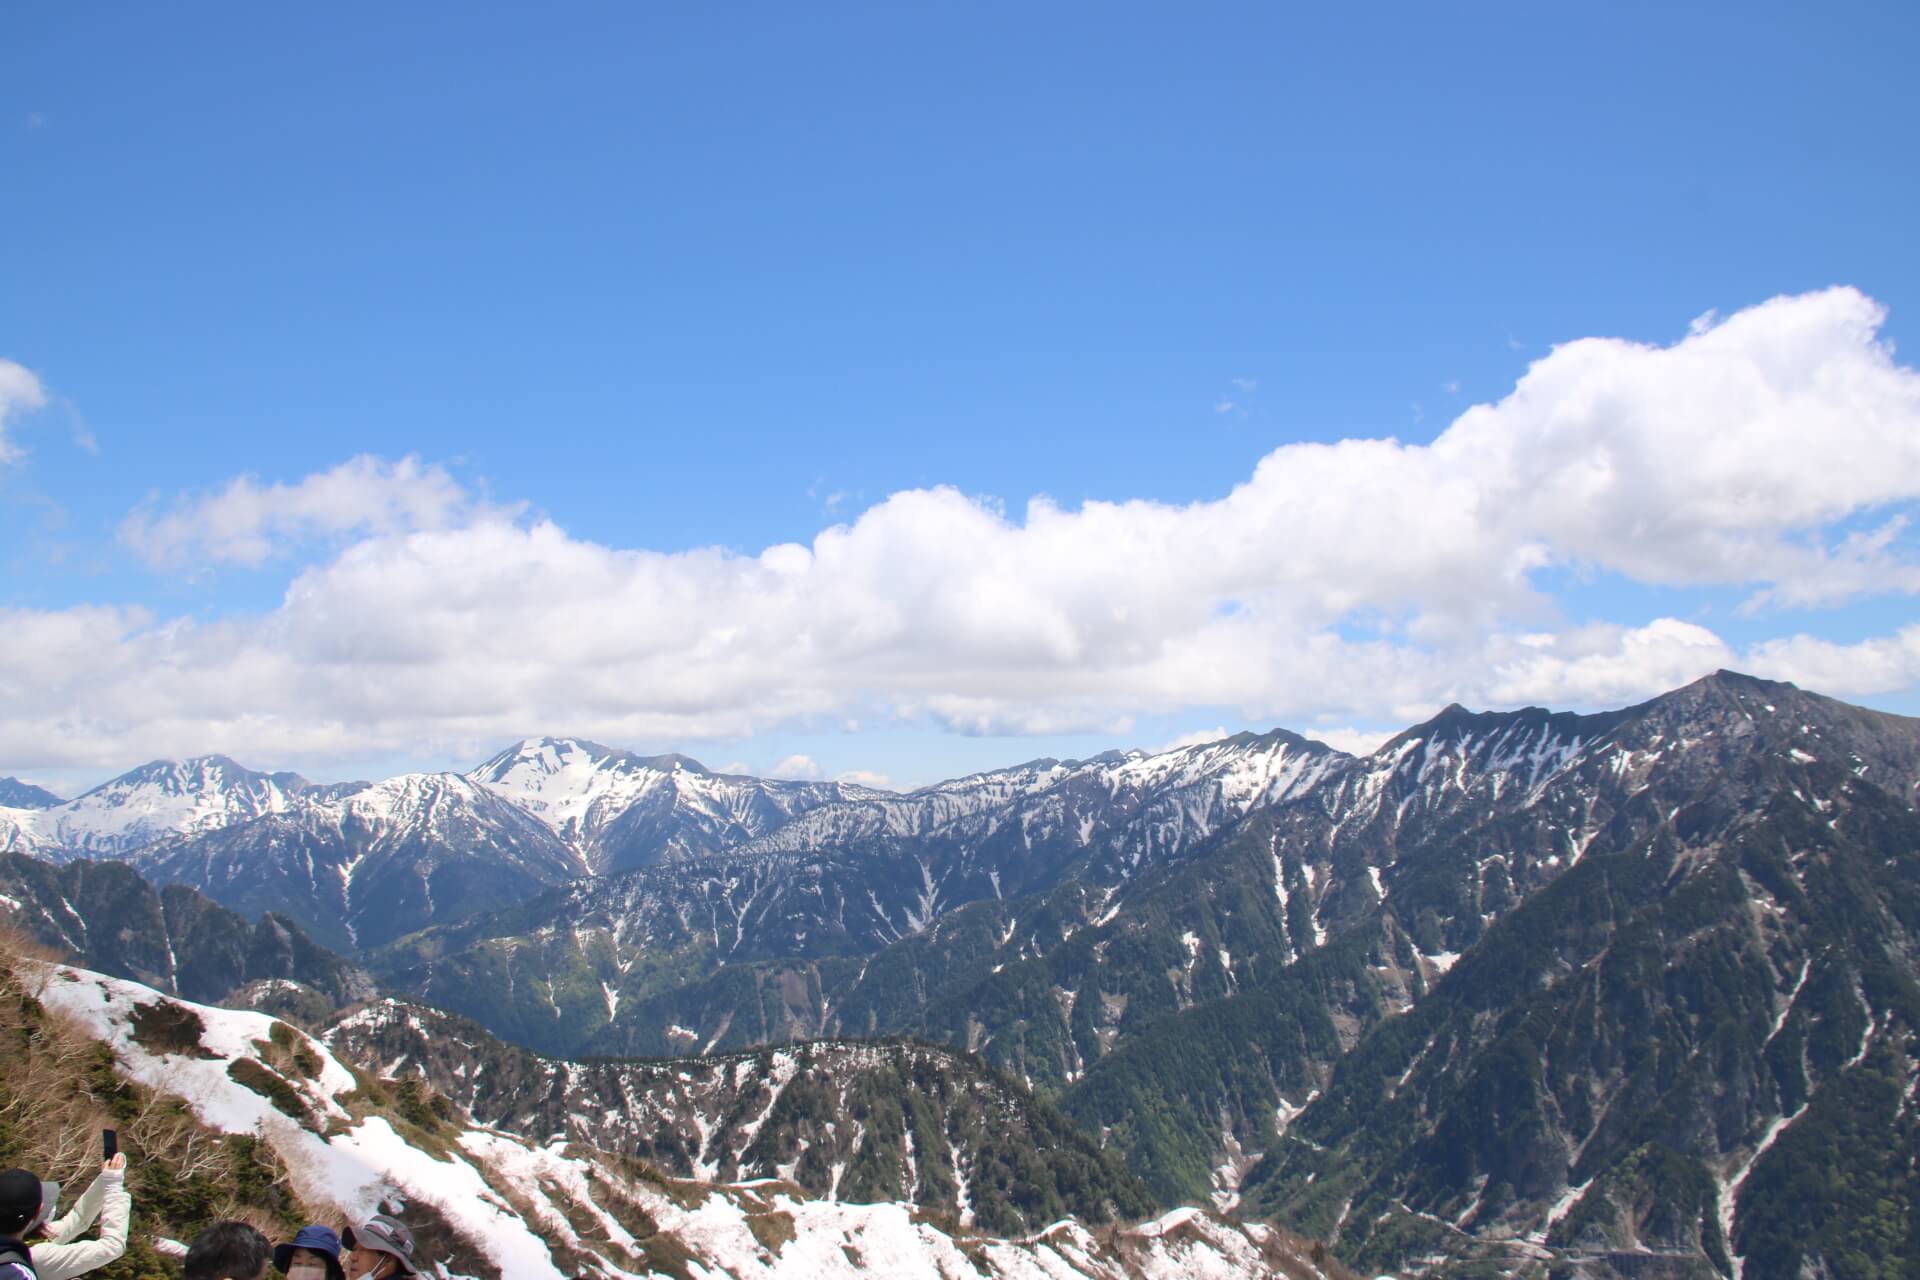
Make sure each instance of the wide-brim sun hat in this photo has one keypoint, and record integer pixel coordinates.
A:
(385, 1235)
(322, 1240)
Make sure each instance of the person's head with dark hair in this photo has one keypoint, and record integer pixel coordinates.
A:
(228, 1251)
(25, 1202)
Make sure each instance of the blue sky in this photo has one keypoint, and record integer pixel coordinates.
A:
(690, 279)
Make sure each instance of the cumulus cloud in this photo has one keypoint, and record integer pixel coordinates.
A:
(20, 392)
(1363, 582)
(248, 522)
(1355, 742)
(797, 767)
(1882, 664)
(1196, 738)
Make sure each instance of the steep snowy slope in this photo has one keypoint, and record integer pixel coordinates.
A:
(492, 1205)
(854, 1121)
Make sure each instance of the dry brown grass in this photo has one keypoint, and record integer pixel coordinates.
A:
(51, 1108)
(59, 1088)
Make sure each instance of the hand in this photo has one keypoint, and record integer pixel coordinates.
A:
(115, 1165)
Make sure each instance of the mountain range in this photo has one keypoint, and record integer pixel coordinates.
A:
(1633, 993)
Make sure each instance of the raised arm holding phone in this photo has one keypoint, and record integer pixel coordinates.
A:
(62, 1254)
(52, 1250)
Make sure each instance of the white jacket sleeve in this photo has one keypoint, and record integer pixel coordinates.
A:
(81, 1216)
(66, 1258)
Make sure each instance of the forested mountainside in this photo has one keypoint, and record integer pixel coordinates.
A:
(657, 940)
(105, 916)
(227, 1112)
(856, 1121)
(1213, 1001)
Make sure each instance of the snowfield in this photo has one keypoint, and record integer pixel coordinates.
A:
(518, 1205)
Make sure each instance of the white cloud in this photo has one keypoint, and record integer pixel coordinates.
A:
(20, 392)
(1355, 742)
(1602, 665)
(797, 767)
(1730, 458)
(1197, 738)
(866, 778)
(1882, 664)
(248, 522)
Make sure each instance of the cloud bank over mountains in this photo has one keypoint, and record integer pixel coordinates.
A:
(1770, 452)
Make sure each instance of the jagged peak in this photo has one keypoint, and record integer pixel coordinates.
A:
(1454, 723)
(1247, 738)
(529, 750)
(193, 769)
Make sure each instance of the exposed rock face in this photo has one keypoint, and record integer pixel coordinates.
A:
(104, 914)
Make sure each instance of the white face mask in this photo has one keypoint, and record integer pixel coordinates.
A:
(307, 1271)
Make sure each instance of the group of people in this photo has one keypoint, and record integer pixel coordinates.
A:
(36, 1245)
(381, 1248)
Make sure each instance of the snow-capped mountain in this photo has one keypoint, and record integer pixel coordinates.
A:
(15, 794)
(362, 864)
(1526, 985)
(623, 811)
(163, 798)
(1019, 829)
(845, 879)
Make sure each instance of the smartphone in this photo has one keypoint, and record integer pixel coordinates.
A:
(109, 1143)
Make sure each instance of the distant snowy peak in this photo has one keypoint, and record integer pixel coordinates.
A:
(622, 810)
(357, 866)
(15, 794)
(1179, 795)
(1250, 769)
(411, 801)
(159, 799)
(572, 784)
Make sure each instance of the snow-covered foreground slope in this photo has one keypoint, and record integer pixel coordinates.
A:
(510, 1208)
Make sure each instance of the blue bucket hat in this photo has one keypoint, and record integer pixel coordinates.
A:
(321, 1240)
